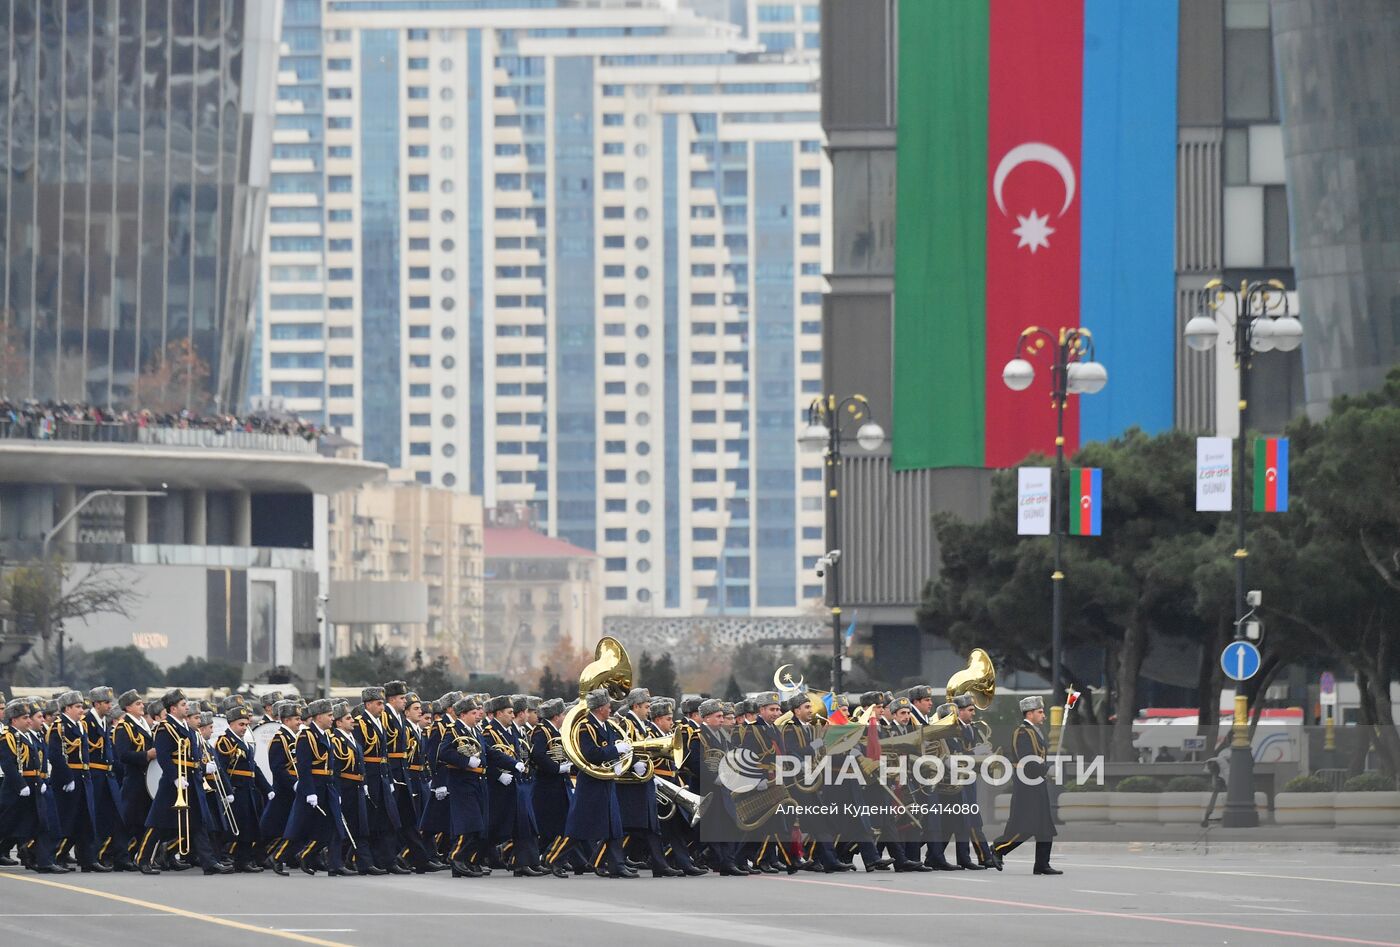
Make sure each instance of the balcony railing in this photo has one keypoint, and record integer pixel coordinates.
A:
(129, 432)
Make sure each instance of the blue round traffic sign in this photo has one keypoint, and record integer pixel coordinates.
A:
(1240, 660)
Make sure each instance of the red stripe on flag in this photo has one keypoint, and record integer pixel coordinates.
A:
(1035, 98)
(1086, 509)
(1271, 475)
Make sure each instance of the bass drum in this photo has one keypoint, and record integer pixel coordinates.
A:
(262, 737)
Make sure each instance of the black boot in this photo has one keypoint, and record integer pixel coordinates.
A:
(1042, 859)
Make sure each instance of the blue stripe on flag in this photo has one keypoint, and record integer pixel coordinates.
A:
(1096, 502)
(1127, 283)
(1282, 481)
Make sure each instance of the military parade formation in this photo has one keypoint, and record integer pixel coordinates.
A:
(616, 782)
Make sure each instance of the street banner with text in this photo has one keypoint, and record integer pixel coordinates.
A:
(1033, 501)
(1213, 474)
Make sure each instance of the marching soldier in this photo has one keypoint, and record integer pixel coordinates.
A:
(637, 800)
(248, 786)
(760, 737)
(719, 832)
(109, 832)
(396, 732)
(965, 827)
(133, 748)
(553, 789)
(350, 795)
(181, 760)
(378, 786)
(675, 825)
(1030, 801)
(23, 791)
(310, 824)
(459, 751)
(435, 823)
(68, 756)
(595, 818)
(282, 762)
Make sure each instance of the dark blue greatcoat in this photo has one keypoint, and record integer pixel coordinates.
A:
(594, 816)
(553, 789)
(174, 740)
(131, 740)
(282, 761)
(466, 784)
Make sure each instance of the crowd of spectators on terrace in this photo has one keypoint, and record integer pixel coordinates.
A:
(44, 420)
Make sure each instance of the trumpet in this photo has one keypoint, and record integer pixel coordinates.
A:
(182, 797)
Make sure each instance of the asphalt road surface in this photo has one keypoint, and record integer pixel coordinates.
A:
(1105, 897)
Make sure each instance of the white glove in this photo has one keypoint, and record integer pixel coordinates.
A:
(211, 767)
(229, 798)
(640, 767)
(520, 767)
(761, 785)
(622, 747)
(474, 762)
(180, 782)
(619, 768)
(393, 787)
(366, 789)
(43, 788)
(565, 768)
(506, 779)
(272, 795)
(70, 787)
(440, 793)
(312, 800)
(24, 792)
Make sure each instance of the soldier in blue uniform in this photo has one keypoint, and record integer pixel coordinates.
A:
(396, 733)
(965, 827)
(676, 833)
(459, 759)
(183, 766)
(133, 748)
(68, 756)
(554, 790)
(109, 833)
(248, 786)
(383, 814)
(1031, 815)
(637, 800)
(282, 762)
(594, 819)
(310, 825)
(23, 791)
(349, 810)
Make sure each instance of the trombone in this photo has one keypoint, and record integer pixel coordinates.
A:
(221, 788)
(183, 765)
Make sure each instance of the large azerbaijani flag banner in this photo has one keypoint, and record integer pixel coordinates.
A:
(1036, 186)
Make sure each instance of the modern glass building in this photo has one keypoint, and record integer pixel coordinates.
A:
(134, 139)
(568, 261)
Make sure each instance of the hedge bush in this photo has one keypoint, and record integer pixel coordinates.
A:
(1139, 784)
(1073, 786)
(1369, 782)
(1187, 784)
(1307, 783)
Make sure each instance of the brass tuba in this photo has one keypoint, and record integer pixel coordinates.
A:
(610, 669)
(979, 679)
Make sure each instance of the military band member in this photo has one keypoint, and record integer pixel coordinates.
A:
(595, 821)
(1031, 815)
(419, 776)
(68, 757)
(311, 826)
(282, 762)
(464, 783)
(719, 833)
(109, 834)
(636, 794)
(965, 826)
(383, 813)
(435, 823)
(23, 792)
(350, 812)
(133, 748)
(553, 790)
(397, 736)
(248, 786)
(183, 767)
(676, 831)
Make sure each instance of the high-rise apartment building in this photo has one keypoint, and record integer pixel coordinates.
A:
(570, 258)
(134, 138)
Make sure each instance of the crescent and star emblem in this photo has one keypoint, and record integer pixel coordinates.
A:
(1085, 502)
(1034, 230)
(1271, 474)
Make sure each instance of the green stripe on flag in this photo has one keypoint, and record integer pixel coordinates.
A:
(941, 236)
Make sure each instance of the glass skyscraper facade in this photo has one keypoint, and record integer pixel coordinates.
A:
(570, 261)
(134, 141)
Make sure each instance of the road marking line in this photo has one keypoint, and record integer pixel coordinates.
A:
(1089, 912)
(1243, 874)
(1116, 894)
(178, 912)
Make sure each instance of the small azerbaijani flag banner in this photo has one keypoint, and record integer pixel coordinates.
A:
(1085, 501)
(1271, 475)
